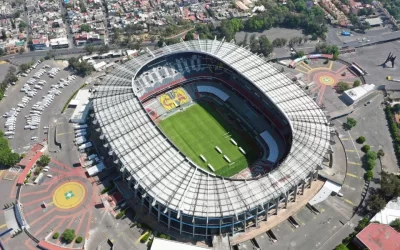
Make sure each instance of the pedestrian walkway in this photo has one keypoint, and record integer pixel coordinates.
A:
(336, 169)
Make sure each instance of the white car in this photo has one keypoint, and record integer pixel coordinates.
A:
(50, 176)
(34, 138)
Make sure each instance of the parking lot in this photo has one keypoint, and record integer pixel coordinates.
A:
(23, 137)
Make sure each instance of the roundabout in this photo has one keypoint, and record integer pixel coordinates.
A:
(69, 195)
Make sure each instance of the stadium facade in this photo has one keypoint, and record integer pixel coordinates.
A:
(181, 195)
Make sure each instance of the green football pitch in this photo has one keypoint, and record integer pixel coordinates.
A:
(199, 129)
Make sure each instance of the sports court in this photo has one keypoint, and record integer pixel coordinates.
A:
(199, 129)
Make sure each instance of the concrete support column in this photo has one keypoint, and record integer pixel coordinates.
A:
(266, 212)
(303, 186)
(287, 198)
(233, 225)
(245, 222)
(257, 217)
(277, 205)
(180, 224)
(149, 205)
(295, 193)
(169, 219)
(158, 212)
(310, 180)
(220, 226)
(193, 225)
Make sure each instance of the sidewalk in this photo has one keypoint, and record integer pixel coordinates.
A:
(336, 171)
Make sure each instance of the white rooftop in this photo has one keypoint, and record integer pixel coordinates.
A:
(81, 101)
(389, 213)
(163, 244)
(360, 91)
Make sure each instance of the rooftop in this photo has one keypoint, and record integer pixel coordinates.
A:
(379, 237)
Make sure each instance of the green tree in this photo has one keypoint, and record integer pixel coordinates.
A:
(396, 224)
(341, 247)
(68, 235)
(371, 155)
(104, 49)
(21, 26)
(369, 175)
(381, 153)
(342, 86)
(351, 122)
(375, 203)
(56, 235)
(17, 14)
(79, 239)
(363, 223)
(85, 27)
(24, 66)
(356, 83)
(189, 36)
(89, 49)
(360, 139)
(300, 54)
(365, 148)
(396, 108)
(44, 160)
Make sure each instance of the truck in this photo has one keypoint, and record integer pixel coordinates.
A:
(85, 146)
(80, 134)
(91, 157)
(77, 127)
(80, 141)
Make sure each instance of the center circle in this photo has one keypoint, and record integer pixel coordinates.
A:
(326, 80)
(69, 195)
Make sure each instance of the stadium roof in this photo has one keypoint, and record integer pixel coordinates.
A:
(167, 176)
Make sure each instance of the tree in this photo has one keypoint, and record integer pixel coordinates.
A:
(68, 235)
(21, 26)
(351, 122)
(89, 49)
(396, 108)
(17, 14)
(365, 148)
(341, 247)
(300, 54)
(12, 69)
(360, 139)
(24, 66)
(363, 223)
(79, 239)
(356, 83)
(44, 160)
(371, 155)
(56, 235)
(104, 49)
(85, 27)
(342, 86)
(369, 175)
(396, 224)
(375, 203)
(189, 36)
(381, 153)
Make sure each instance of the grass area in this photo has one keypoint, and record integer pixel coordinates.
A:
(199, 129)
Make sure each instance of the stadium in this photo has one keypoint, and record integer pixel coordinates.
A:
(209, 137)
